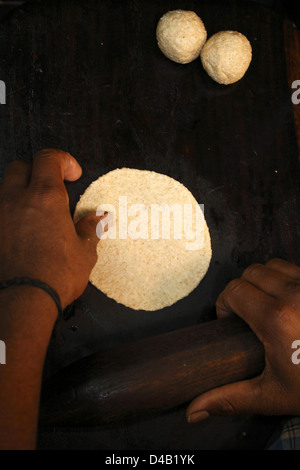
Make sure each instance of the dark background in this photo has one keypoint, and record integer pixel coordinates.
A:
(285, 7)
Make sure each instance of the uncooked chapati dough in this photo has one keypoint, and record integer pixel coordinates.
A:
(158, 248)
(180, 35)
(226, 56)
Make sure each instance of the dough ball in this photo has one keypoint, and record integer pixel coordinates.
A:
(226, 56)
(180, 35)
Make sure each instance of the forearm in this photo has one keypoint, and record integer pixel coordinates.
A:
(38, 240)
(27, 317)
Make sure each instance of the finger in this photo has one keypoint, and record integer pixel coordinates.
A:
(233, 399)
(269, 280)
(105, 222)
(93, 225)
(248, 302)
(86, 227)
(284, 267)
(51, 167)
(89, 230)
(17, 174)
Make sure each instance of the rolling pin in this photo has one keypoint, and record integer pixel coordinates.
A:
(151, 375)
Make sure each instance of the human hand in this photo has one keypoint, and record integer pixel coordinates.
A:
(38, 238)
(267, 297)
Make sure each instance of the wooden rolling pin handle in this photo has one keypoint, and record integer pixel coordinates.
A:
(151, 375)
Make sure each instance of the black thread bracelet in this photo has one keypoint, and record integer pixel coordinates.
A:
(19, 281)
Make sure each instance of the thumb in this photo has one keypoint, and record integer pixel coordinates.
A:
(233, 399)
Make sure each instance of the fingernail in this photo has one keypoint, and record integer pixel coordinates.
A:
(197, 416)
(109, 217)
(104, 224)
(100, 213)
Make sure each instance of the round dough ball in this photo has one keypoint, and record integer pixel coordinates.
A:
(180, 35)
(226, 56)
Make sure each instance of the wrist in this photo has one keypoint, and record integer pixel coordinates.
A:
(21, 281)
(26, 311)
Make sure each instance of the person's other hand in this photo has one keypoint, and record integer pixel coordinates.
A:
(267, 297)
(38, 238)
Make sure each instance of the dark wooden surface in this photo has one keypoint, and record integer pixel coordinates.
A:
(89, 78)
